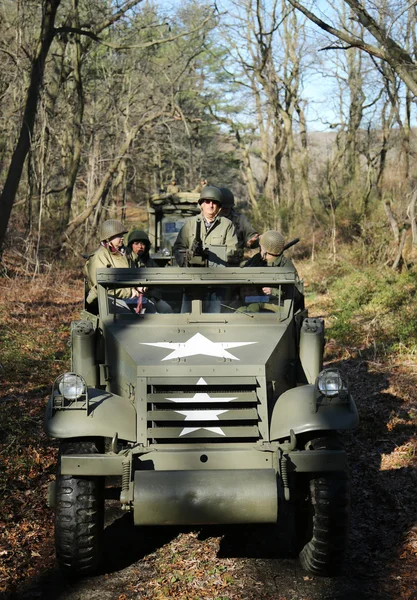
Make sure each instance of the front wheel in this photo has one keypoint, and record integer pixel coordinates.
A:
(79, 516)
(328, 509)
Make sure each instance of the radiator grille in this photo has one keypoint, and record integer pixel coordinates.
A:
(202, 413)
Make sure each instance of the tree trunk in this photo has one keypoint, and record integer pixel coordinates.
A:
(14, 174)
(75, 125)
(411, 212)
(399, 258)
(106, 181)
(392, 221)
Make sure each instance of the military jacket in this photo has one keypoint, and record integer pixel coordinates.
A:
(173, 189)
(140, 261)
(221, 232)
(145, 260)
(258, 261)
(104, 259)
(280, 261)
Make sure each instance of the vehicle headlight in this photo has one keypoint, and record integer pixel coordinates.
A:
(71, 386)
(330, 383)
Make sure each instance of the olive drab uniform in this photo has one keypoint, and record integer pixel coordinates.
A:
(144, 260)
(173, 189)
(258, 261)
(140, 261)
(103, 258)
(279, 261)
(220, 232)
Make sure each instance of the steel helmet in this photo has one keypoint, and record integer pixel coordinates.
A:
(272, 242)
(228, 199)
(110, 229)
(137, 235)
(211, 192)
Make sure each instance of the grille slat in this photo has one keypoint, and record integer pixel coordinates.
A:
(243, 414)
(218, 396)
(182, 433)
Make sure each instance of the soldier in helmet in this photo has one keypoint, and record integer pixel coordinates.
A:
(209, 226)
(246, 234)
(173, 187)
(110, 254)
(272, 245)
(271, 252)
(200, 186)
(138, 246)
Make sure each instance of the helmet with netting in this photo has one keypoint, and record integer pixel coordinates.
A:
(211, 192)
(111, 228)
(272, 242)
(137, 235)
(228, 199)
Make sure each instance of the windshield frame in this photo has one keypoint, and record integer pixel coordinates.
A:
(193, 279)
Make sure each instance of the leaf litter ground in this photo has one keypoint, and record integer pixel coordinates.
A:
(207, 563)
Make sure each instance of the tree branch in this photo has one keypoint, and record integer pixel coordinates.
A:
(389, 51)
(152, 43)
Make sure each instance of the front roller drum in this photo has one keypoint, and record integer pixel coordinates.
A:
(205, 497)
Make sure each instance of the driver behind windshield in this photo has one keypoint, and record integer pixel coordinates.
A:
(271, 244)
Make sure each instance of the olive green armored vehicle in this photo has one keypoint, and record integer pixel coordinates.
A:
(216, 412)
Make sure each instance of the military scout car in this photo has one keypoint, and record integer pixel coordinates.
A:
(219, 412)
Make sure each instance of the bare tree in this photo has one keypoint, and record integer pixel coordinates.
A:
(266, 46)
(386, 48)
(46, 37)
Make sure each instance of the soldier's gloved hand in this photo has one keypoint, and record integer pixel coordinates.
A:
(250, 308)
(253, 242)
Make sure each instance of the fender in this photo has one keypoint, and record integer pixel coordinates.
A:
(108, 414)
(295, 410)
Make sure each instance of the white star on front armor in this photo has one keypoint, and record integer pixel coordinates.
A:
(201, 415)
(199, 344)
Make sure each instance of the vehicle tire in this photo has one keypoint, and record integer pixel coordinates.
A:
(79, 516)
(327, 515)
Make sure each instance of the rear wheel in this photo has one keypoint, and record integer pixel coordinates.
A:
(79, 515)
(326, 527)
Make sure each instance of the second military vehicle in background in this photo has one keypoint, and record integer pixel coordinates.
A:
(167, 214)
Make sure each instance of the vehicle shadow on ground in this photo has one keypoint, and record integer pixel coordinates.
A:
(124, 545)
(383, 502)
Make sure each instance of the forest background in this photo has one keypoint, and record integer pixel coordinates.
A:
(307, 111)
(310, 124)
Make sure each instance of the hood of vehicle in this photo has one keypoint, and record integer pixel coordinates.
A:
(193, 345)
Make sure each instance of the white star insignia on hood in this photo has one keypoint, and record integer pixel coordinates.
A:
(198, 344)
